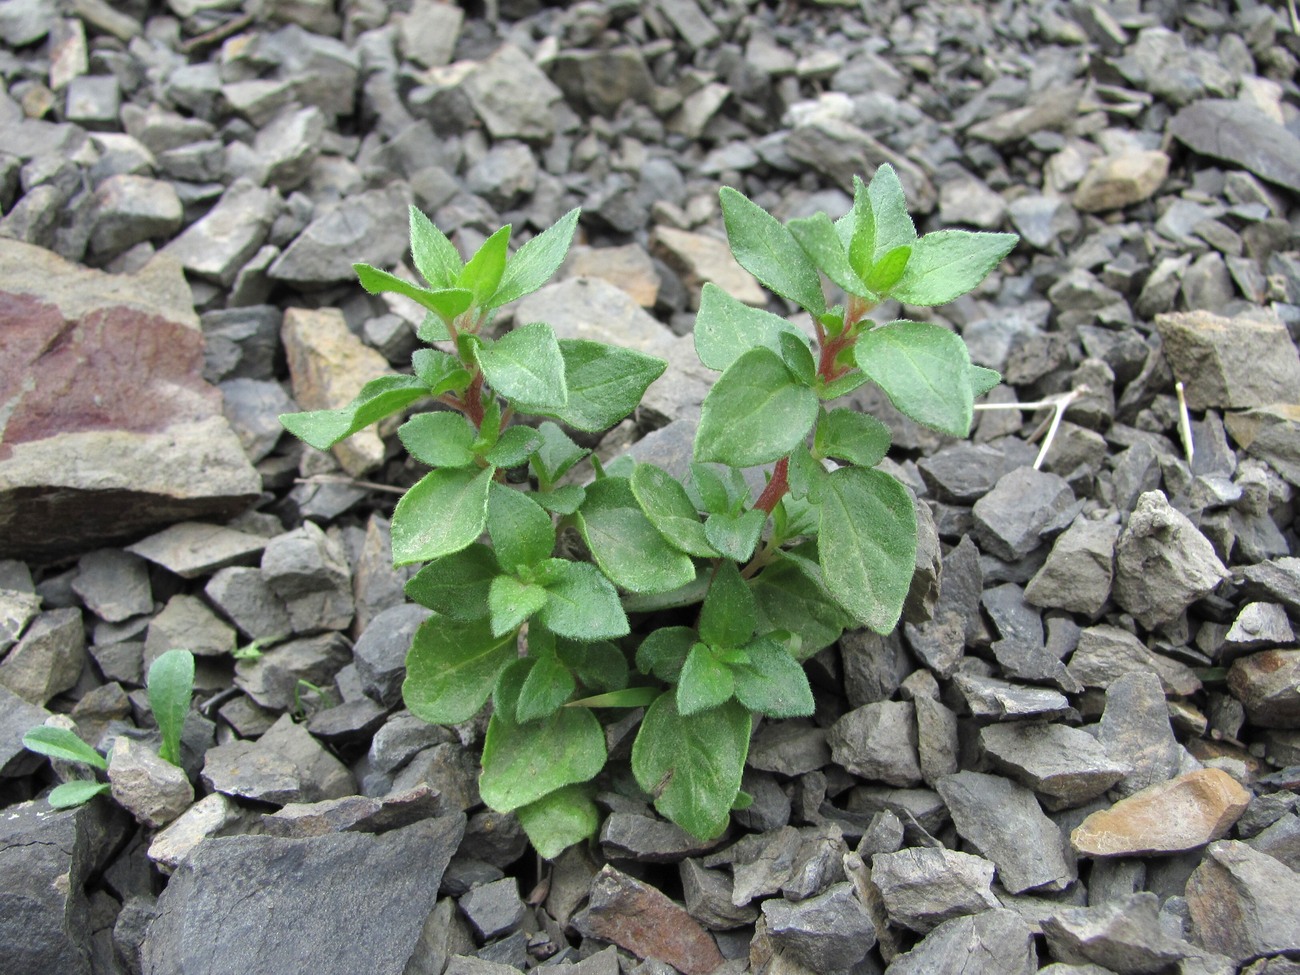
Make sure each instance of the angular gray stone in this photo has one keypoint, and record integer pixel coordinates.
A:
(1000, 700)
(369, 227)
(512, 96)
(253, 407)
(1024, 506)
(1242, 902)
(154, 791)
(1064, 765)
(1005, 823)
(1240, 133)
(308, 570)
(129, 209)
(265, 904)
(17, 609)
(380, 651)
(878, 741)
(994, 942)
(114, 585)
(630, 836)
(941, 641)
(1104, 652)
(192, 549)
(788, 748)
(494, 909)
(829, 932)
(1272, 434)
(923, 887)
(244, 597)
(178, 839)
(186, 623)
(1163, 564)
(707, 894)
(1230, 362)
(216, 246)
(17, 717)
(962, 473)
(1125, 936)
(1266, 683)
(48, 659)
(1135, 731)
(272, 679)
(287, 145)
(937, 739)
(1079, 569)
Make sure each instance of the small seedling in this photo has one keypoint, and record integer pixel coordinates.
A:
(563, 646)
(170, 684)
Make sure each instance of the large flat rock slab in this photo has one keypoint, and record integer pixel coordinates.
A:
(107, 429)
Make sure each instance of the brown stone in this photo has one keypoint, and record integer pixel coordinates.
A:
(628, 267)
(328, 365)
(699, 258)
(1118, 181)
(107, 428)
(1268, 684)
(641, 919)
(1168, 817)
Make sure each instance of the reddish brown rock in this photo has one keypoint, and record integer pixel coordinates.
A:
(1168, 817)
(1268, 684)
(107, 428)
(643, 920)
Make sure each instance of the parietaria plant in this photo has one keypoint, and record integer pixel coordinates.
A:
(695, 601)
(170, 684)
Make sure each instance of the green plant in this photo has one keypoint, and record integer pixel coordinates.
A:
(756, 584)
(170, 683)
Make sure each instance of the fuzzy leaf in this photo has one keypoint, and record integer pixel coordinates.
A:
(511, 601)
(893, 224)
(665, 502)
(556, 455)
(787, 598)
(378, 398)
(443, 303)
(441, 371)
(948, 263)
(434, 256)
(726, 328)
(663, 652)
(705, 681)
(526, 365)
(75, 793)
(562, 500)
(440, 439)
(852, 436)
(887, 271)
(452, 667)
(547, 686)
(456, 585)
(580, 602)
(598, 664)
(735, 535)
(442, 513)
(925, 371)
(817, 236)
(171, 684)
(61, 743)
(727, 618)
(559, 819)
(772, 682)
(627, 697)
(483, 272)
(522, 532)
(755, 413)
(626, 546)
(513, 447)
(767, 250)
(536, 261)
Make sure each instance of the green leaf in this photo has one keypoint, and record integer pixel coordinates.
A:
(441, 371)
(805, 473)
(692, 764)
(521, 530)
(562, 500)
(949, 263)
(433, 328)
(536, 261)
(817, 236)
(559, 819)
(665, 502)
(772, 682)
(755, 413)
(483, 272)
(925, 371)
(442, 513)
(794, 352)
(62, 743)
(71, 794)
(843, 385)
(524, 762)
(767, 250)
(628, 697)
(727, 618)
(887, 271)
(605, 384)
(626, 546)
(557, 454)
(514, 446)
(726, 328)
(983, 380)
(735, 535)
(867, 544)
(580, 602)
(787, 598)
(705, 681)
(852, 436)
(171, 684)
(709, 489)
(526, 365)
(893, 224)
(456, 585)
(861, 223)
(663, 652)
(598, 664)
(439, 439)
(511, 601)
(451, 668)
(547, 686)
(378, 398)
(445, 303)
(435, 256)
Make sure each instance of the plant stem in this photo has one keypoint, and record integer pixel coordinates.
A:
(473, 401)
(776, 487)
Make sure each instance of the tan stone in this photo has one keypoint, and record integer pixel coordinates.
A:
(699, 258)
(1168, 817)
(1118, 181)
(628, 267)
(328, 365)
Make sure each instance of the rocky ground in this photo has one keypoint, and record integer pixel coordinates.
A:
(1082, 754)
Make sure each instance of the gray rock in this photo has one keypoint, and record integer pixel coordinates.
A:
(994, 942)
(1024, 507)
(1229, 362)
(264, 903)
(1125, 936)
(921, 888)
(192, 549)
(219, 244)
(17, 609)
(1265, 683)
(962, 473)
(1281, 841)
(1000, 700)
(1242, 902)
(707, 894)
(937, 740)
(1105, 652)
(1079, 569)
(186, 623)
(47, 856)
(205, 818)
(154, 791)
(309, 572)
(273, 679)
(512, 96)
(1065, 766)
(1272, 434)
(241, 342)
(504, 175)
(761, 862)
(874, 665)
(1135, 731)
(941, 641)
(1162, 563)
(1021, 651)
(1259, 625)
(602, 80)
(878, 741)
(369, 227)
(130, 209)
(1005, 823)
(380, 651)
(629, 836)
(771, 806)
(245, 598)
(93, 101)
(829, 932)
(447, 769)
(494, 909)
(17, 717)
(1241, 134)
(48, 659)
(114, 585)
(694, 27)
(253, 407)
(789, 748)
(287, 146)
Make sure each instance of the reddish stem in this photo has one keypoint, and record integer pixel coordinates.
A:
(474, 401)
(776, 487)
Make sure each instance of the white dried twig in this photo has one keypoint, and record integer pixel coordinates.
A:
(350, 482)
(1184, 424)
(1057, 404)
